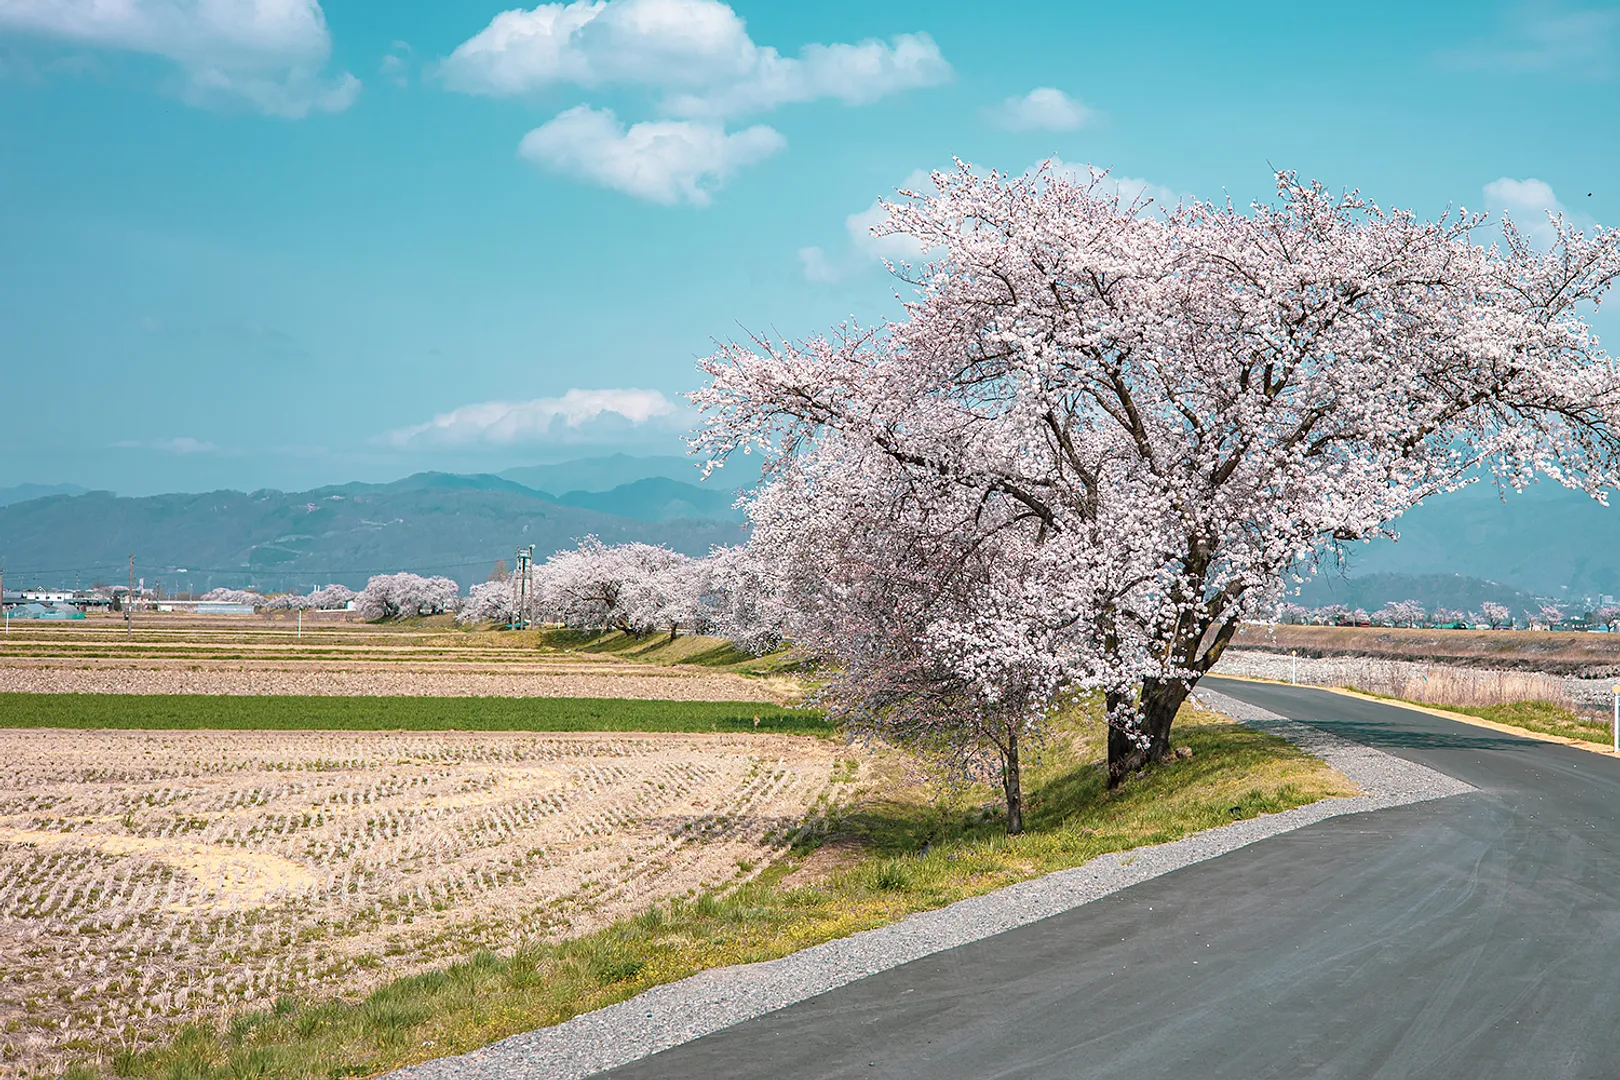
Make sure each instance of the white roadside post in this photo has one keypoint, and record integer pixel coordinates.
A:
(1617, 718)
(1293, 663)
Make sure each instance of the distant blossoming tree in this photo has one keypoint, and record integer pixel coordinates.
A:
(400, 596)
(1103, 433)
(233, 596)
(1401, 613)
(1496, 615)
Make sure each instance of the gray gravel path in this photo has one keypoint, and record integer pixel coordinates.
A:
(669, 1015)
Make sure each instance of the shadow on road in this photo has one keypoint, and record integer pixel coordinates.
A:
(1378, 735)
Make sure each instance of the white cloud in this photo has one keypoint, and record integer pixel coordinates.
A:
(663, 161)
(395, 65)
(569, 418)
(864, 250)
(1043, 109)
(697, 53)
(1579, 44)
(185, 444)
(1527, 202)
(1130, 189)
(271, 53)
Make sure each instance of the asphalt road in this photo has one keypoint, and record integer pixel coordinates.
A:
(1475, 936)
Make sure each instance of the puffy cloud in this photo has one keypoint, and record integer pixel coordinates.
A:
(570, 418)
(696, 52)
(1043, 109)
(271, 53)
(664, 161)
(1527, 202)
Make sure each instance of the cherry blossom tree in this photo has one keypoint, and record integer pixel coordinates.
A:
(1331, 614)
(487, 602)
(1496, 615)
(1401, 613)
(233, 596)
(746, 600)
(1105, 432)
(1292, 614)
(1549, 615)
(401, 596)
(332, 597)
(1607, 616)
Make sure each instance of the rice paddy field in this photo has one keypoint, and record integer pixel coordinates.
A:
(240, 831)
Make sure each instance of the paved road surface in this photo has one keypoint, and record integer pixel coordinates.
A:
(1476, 936)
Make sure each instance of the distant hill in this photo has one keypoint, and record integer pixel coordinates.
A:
(1546, 540)
(25, 492)
(604, 473)
(428, 523)
(1373, 591)
(658, 499)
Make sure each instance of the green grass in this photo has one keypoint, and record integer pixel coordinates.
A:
(687, 649)
(903, 847)
(192, 712)
(1540, 716)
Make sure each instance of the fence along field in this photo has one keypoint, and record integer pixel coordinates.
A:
(150, 878)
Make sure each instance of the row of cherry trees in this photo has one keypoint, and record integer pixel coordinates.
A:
(1410, 613)
(639, 588)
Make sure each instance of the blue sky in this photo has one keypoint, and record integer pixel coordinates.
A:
(254, 244)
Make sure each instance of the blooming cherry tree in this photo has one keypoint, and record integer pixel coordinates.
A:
(1496, 615)
(401, 596)
(1103, 433)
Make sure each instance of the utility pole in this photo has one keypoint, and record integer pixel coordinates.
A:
(129, 600)
(3, 608)
(520, 588)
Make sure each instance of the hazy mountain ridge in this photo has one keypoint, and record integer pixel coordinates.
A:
(427, 523)
(28, 492)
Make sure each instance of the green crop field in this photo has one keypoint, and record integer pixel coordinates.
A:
(192, 712)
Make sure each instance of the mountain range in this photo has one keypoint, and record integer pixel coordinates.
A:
(1455, 551)
(429, 523)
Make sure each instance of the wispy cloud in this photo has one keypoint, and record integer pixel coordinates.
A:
(1573, 43)
(577, 416)
(272, 55)
(664, 161)
(183, 444)
(1045, 108)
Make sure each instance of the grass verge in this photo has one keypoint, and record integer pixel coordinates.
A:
(904, 845)
(1539, 717)
(190, 712)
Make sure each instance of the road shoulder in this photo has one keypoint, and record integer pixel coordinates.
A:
(669, 1015)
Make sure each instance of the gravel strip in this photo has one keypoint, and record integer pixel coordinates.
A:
(668, 1015)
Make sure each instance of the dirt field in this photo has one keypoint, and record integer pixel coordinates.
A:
(147, 878)
(171, 654)
(1591, 656)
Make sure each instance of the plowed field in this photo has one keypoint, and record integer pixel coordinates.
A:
(148, 878)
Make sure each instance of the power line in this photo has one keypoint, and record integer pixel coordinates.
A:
(288, 571)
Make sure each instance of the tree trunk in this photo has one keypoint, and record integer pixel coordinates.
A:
(1012, 784)
(1159, 703)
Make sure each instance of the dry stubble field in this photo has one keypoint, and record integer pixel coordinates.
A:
(152, 877)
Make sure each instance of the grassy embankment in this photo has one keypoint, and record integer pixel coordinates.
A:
(196, 712)
(903, 846)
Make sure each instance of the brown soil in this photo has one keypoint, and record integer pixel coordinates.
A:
(150, 878)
